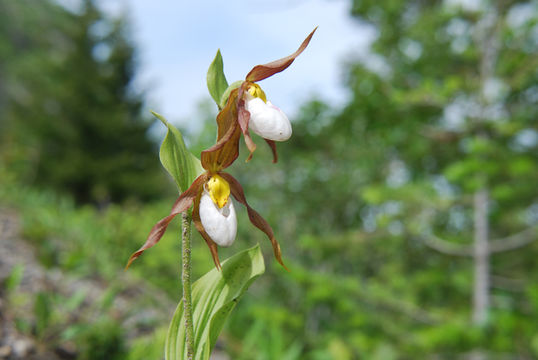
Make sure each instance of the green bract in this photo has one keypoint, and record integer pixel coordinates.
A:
(226, 94)
(180, 163)
(216, 81)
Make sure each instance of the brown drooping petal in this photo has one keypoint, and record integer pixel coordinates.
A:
(200, 227)
(272, 145)
(183, 203)
(260, 72)
(243, 119)
(255, 218)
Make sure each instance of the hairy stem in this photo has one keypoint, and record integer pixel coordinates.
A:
(186, 282)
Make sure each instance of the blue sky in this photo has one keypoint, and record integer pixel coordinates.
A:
(177, 40)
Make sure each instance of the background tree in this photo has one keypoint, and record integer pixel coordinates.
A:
(70, 118)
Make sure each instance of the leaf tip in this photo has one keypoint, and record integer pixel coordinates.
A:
(159, 116)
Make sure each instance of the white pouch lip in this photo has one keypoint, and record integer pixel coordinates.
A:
(219, 223)
(267, 120)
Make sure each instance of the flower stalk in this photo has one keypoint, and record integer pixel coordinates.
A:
(186, 282)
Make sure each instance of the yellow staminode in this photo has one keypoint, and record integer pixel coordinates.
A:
(256, 91)
(219, 190)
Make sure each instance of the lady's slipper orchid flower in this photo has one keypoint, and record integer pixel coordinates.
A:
(213, 211)
(251, 109)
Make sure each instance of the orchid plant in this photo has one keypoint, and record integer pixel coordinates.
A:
(205, 199)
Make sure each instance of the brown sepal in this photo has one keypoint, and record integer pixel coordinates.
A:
(226, 150)
(198, 223)
(183, 203)
(260, 72)
(226, 118)
(255, 218)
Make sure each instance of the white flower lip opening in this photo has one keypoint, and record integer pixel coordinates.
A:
(267, 120)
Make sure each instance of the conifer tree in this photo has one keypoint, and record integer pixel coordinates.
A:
(70, 108)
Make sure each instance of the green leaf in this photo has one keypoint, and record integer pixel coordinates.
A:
(216, 81)
(214, 296)
(180, 163)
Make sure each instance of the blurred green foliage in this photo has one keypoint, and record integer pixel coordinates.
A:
(104, 340)
(91, 244)
(438, 110)
(88, 242)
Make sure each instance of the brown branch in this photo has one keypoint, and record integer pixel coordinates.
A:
(515, 241)
(389, 301)
(446, 247)
(504, 283)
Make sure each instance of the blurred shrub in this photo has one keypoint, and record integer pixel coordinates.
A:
(105, 339)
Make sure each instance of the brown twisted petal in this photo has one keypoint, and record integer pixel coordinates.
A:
(272, 145)
(183, 203)
(243, 119)
(198, 223)
(255, 218)
(260, 72)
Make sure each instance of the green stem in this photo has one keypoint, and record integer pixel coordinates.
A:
(186, 281)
